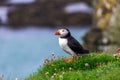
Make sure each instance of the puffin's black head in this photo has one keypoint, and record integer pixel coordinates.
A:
(63, 33)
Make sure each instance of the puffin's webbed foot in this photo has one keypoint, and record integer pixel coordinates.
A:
(72, 59)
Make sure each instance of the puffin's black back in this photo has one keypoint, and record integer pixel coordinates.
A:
(76, 46)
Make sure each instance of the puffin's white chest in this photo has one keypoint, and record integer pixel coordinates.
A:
(63, 44)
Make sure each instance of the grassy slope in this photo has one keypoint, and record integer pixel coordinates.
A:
(88, 67)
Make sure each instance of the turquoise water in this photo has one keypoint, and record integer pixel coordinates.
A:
(23, 51)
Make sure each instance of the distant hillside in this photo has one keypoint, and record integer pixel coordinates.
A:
(1, 1)
(50, 13)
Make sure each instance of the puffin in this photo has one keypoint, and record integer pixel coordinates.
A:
(69, 44)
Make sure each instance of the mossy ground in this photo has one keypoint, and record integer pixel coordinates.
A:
(94, 66)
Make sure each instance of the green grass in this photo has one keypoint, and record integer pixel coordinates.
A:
(88, 67)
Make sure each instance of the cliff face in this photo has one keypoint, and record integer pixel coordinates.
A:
(107, 21)
(48, 13)
(113, 29)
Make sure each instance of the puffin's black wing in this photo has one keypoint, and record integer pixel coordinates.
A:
(75, 46)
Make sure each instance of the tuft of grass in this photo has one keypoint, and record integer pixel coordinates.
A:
(106, 72)
(87, 67)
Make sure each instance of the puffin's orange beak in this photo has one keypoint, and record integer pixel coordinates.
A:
(57, 32)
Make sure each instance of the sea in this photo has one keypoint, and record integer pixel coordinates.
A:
(23, 51)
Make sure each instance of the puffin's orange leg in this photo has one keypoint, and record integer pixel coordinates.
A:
(73, 58)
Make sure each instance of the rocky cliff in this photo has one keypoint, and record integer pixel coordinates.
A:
(104, 36)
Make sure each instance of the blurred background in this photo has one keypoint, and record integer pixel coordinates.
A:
(27, 30)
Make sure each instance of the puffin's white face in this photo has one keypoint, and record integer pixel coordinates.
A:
(61, 32)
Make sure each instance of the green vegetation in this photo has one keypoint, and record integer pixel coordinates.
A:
(87, 67)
